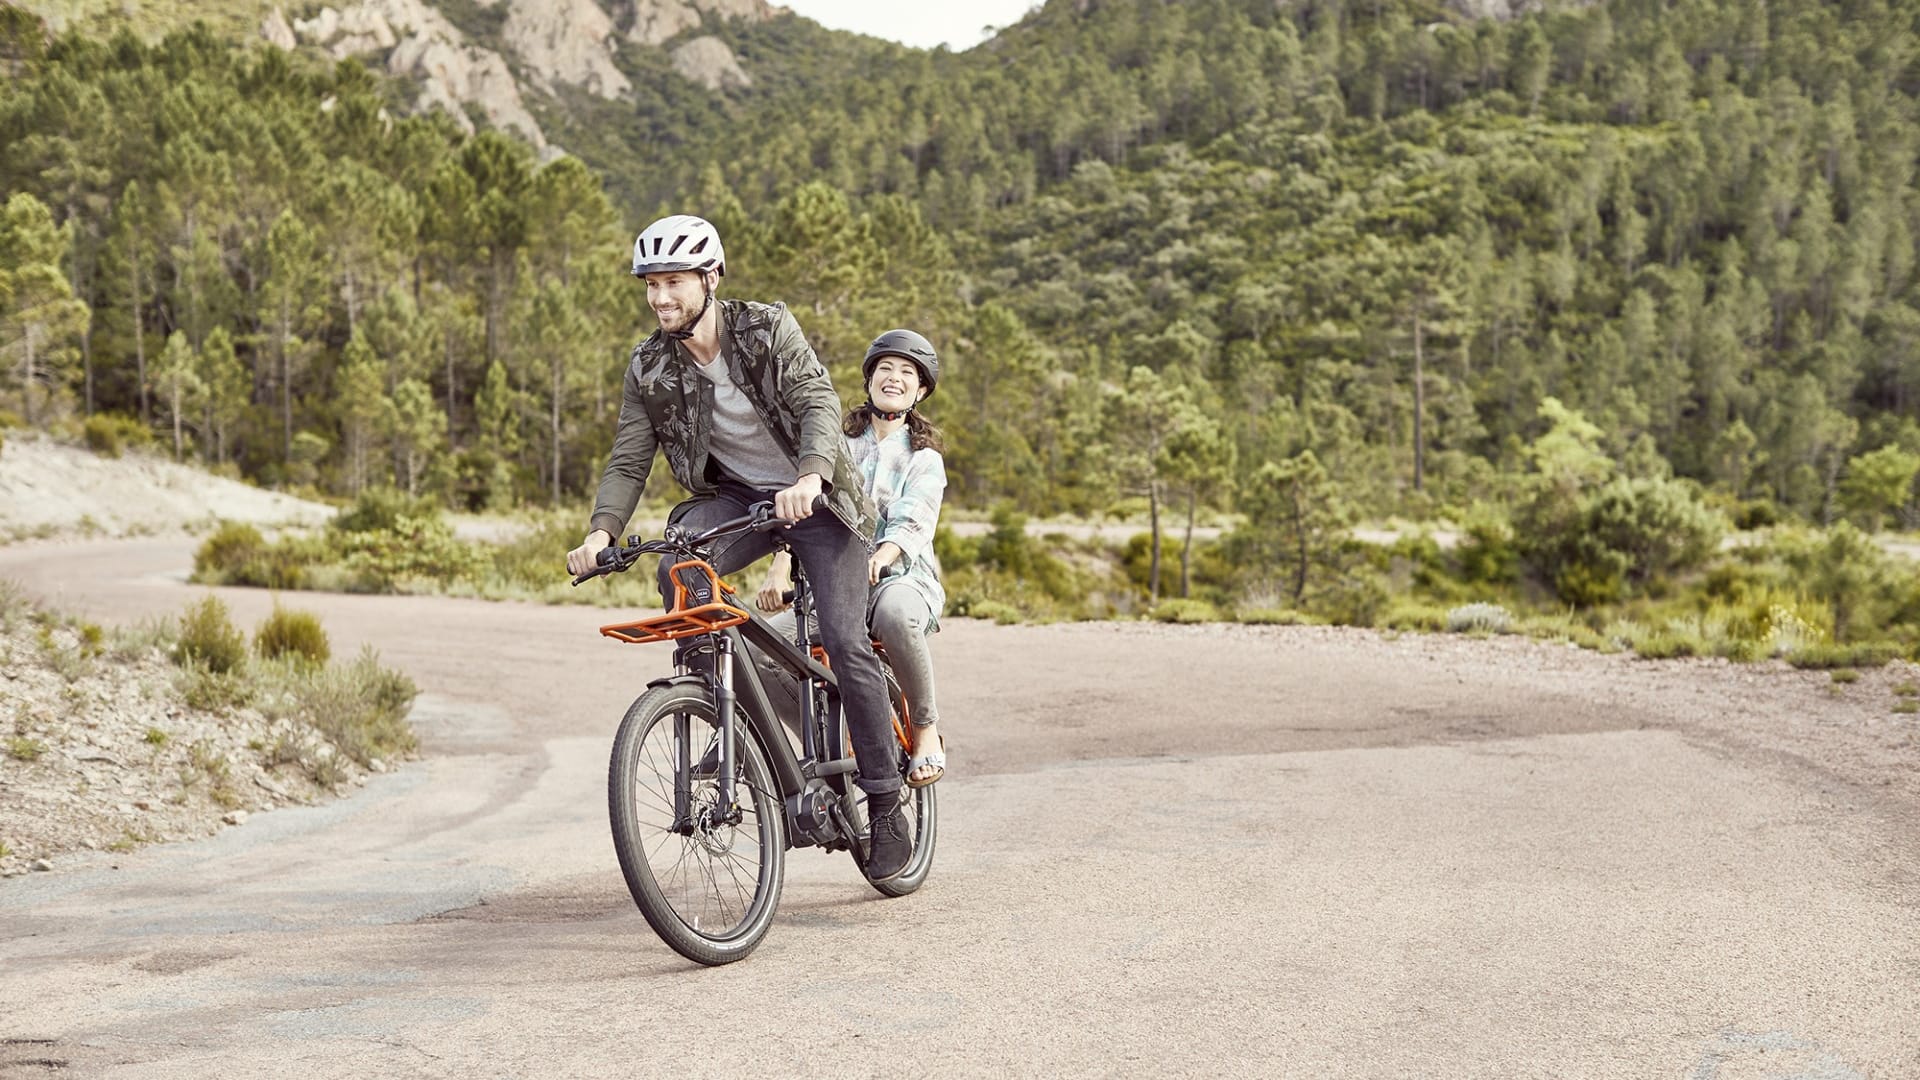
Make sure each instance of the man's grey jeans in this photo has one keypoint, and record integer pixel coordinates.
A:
(834, 559)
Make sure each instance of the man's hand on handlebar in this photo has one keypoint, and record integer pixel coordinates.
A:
(796, 503)
(585, 557)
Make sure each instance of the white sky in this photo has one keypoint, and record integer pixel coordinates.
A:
(920, 23)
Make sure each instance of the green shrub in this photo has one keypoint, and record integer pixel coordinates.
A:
(1756, 514)
(108, 434)
(25, 749)
(1667, 645)
(221, 557)
(1846, 570)
(1857, 654)
(1002, 613)
(1178, 610)
(1486, 552)
(208, 639)
(1270, 616)
(361, 707)
(1409, 615)
(384, 509)
(1485, 618)
(1594, 545)
(292, 633)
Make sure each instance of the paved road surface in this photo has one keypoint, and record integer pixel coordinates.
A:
(1163, 852)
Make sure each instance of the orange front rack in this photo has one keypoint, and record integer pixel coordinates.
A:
(682, 621)
(704, 619)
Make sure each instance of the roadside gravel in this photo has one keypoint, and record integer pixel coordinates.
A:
(101, 753)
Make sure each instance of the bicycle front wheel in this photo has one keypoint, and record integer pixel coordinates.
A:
(706, 877)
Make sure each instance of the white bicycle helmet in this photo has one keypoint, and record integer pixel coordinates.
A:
(680, 242)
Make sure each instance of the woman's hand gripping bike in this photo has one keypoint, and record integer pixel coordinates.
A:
(705, 790)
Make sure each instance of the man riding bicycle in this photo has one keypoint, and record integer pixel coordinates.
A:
(734, 396)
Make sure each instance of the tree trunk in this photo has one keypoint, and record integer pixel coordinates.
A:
(1186, 549)
(139, 337)
(178, 447)
(26, 387)
(553, 429)
(1300, 531)
(452, 427)
(1153, 517)
(1419, 405)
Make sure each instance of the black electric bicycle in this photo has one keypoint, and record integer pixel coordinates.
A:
(705, 789)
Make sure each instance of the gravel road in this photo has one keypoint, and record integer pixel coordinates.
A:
(1164, 851)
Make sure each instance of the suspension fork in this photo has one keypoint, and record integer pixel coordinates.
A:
(723, 701)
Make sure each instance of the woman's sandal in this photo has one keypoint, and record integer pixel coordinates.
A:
(934, 759)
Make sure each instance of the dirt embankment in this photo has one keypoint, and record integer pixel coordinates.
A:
(49, 488)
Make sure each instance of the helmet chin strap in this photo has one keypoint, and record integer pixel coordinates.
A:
(686, 332)
(884, 414)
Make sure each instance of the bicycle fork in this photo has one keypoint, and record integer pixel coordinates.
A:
(724, 810)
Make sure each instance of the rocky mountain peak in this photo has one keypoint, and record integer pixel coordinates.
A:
(544, 45)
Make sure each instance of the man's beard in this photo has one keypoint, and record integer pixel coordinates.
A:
(685, 317)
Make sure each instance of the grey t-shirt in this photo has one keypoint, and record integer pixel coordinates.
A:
(741, 441)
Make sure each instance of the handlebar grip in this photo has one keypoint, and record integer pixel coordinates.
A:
(606, 555)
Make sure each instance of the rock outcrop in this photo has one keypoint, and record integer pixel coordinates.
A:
(707, 61)
(550, 44)
(656, 22)
(422, 46)
(565, 41)
(276, 31)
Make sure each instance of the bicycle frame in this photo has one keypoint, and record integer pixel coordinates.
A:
(735, 634)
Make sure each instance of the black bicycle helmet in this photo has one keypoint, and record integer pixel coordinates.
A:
(906, 344)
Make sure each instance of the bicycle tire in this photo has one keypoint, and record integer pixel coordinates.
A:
(713, 928)
(922, 806)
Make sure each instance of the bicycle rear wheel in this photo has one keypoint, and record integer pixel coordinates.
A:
(708, 882)
(921, 806)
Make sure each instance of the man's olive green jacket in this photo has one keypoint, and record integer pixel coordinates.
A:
(665, 404)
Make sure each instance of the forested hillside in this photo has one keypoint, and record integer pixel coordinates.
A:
(1194, 253)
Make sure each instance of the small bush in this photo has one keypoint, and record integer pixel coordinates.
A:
(1827, 654)
(1667, 645)
(1486, 618)
(362, 708)
(108, 435)
(384, 509)
(1845, 675)
(1002, 613)
(236, 554)
(211, 691)
(1906, 705)
(1185, 611)
(1269, 616)
(208, 639)
(1409, 615)
(230, 547)
(292, 633)
(25, 749)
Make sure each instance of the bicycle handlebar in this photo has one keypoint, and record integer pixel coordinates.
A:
(758, 518)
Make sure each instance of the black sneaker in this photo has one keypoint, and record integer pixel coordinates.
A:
(889, 847)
